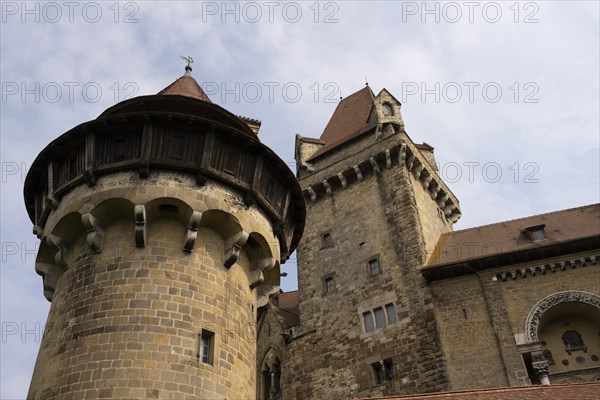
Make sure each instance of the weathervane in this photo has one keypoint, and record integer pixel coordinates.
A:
(189, 61)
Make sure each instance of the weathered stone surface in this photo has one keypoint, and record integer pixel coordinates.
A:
(125, 320)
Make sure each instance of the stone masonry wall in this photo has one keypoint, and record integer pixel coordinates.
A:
(481, 318)
(332, 354)
(125, 322)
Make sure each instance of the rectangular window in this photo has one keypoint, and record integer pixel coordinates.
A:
(327, 241)
(388, 365)
(329, 284)
(374, 267)
(368, 321)
(535, 233)
(207, 344)
(378, 372)
(379, 318)
(390, 310)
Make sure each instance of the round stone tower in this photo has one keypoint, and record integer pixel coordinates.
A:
(162, 223)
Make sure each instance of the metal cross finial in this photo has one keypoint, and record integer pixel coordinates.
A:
(189, 60)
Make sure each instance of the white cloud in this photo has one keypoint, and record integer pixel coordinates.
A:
(558, 54)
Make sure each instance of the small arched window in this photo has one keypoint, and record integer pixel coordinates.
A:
(271, 380)
(573, 341)
(388, 111)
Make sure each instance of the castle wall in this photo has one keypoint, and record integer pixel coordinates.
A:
(482, 320)
(467, 334)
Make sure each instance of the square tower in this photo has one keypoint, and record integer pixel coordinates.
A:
(376, 207)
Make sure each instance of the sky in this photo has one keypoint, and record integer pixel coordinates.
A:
(506, 92)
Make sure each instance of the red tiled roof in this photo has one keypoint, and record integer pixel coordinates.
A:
(579, 391)
(349, 120)
(510, 236)
(289, 301)
(289, 308)
(186, 86)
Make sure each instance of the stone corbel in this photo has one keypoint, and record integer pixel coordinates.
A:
(449, 209)
(374, 165)
(201, 178)
(61, 247)
(312, 194)
(426, 182)
(307, 166)
(442, 202)
(38, 231)
(258, 269)
(265, 293)
(455, 217)
(418, 171)
(410, 161)
(433, 193)
(52, 202)
(90, 177)
(233, 246)
(327, 186)
(402, 154)
(342, 179)
(358, 173)
(378, 132)
(140, 226)
(50, 274)
(192, 231)
(95, 233)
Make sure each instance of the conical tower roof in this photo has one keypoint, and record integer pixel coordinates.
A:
(187, 86)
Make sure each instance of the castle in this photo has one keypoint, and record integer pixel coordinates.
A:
(164, 221)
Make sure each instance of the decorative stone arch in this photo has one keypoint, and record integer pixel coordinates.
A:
(536, 313)
(168, 207)
(110, 210)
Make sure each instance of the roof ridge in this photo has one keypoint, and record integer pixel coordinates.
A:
(521, 218)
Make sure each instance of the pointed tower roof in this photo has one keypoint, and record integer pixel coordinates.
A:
(351, 114)
(351, 118)
(187, 86)
(184, 97)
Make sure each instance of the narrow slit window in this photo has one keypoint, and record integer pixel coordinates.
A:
(207, 343)
(329, 284)
(327, 241)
